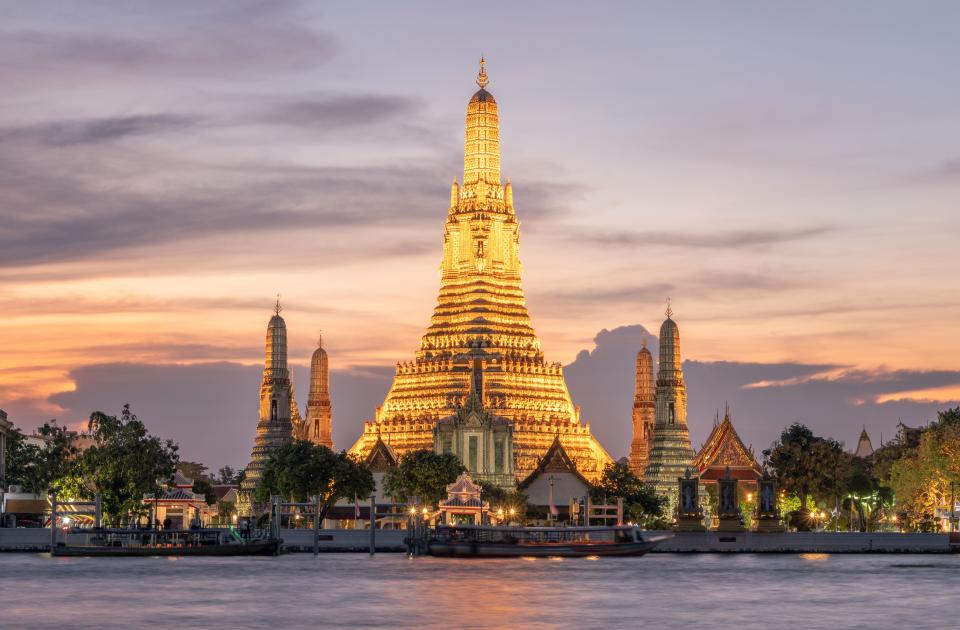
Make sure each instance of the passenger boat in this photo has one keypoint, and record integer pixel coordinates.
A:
(118, 543)
(504, 542)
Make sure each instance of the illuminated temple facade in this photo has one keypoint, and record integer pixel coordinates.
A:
(481, 320)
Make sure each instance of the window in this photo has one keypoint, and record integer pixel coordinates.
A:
(672, 416)
(273, 410)
(498, 456)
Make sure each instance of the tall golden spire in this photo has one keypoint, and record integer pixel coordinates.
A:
(481, 154)
(481, 315)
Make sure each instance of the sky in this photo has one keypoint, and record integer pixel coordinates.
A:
(787, 173)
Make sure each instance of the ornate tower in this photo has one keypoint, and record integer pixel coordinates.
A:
(276, 402)
(644, 412)
(319, 412)
(481, 315)
(670, 451)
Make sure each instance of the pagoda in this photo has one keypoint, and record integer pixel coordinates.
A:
(278, 407)
(671, 456)
(481, 319)
(864, 445)
(644, 412)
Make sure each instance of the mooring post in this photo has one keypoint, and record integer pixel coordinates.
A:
(53, 521)
(586, 511)
(316, 525)
(620, 511)
(373, 524)
(98, 512)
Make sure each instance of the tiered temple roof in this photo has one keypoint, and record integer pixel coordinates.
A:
(724, 450)
(481, 318)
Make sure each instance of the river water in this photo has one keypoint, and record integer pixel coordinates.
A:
(390, 590)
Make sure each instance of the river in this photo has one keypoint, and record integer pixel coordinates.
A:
(354, 590)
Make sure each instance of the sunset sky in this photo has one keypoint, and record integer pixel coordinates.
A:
(788, 173)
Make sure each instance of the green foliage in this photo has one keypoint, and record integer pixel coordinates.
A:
(193, 470)
(124, 464)
(205, 488)
(422, 476)
(921, 478)
(808, 466)
(229, 476)
(37, 468)
(499, 498)
(302, 470)
(641, 504)
(225, 510)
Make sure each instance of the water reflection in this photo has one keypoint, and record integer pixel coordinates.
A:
(354, 590)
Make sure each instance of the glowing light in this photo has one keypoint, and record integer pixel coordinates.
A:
(67, 520)
(425, 511)
(413, 511)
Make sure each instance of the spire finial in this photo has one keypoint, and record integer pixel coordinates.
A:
(277, 308)
(669, 309)
(482, 75)
(320, 338)
(643, 341)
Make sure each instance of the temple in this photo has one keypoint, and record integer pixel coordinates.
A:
(644, 412)
(319, 423)
(481, 323)
(723, 455)
(671, 456)
(278, 408)
(864, 445)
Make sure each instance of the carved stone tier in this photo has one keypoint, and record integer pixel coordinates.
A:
(481, 317)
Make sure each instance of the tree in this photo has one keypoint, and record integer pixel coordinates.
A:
(225, 510)
(501, 498)
(641, 504)
(203, 487)
(228, 476)
(37, 468)
(422, 476)
(302, 470)
(124, 464)
(808, 466)
(925, 477)
(192, 470)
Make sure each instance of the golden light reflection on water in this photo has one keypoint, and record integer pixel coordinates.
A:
(815, 557)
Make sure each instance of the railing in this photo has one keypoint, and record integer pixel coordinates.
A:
(311, 509)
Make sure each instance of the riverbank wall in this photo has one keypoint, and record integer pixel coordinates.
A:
(358, 540)
(808, 542)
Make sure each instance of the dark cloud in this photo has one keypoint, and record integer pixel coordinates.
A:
(730, 239)
(702, 284)
(53, 216)
(74, 132)
(326, 112)
(831, 399)
(242, 39)
(209, 409)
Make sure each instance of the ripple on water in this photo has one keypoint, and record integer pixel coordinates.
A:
(354, 590)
